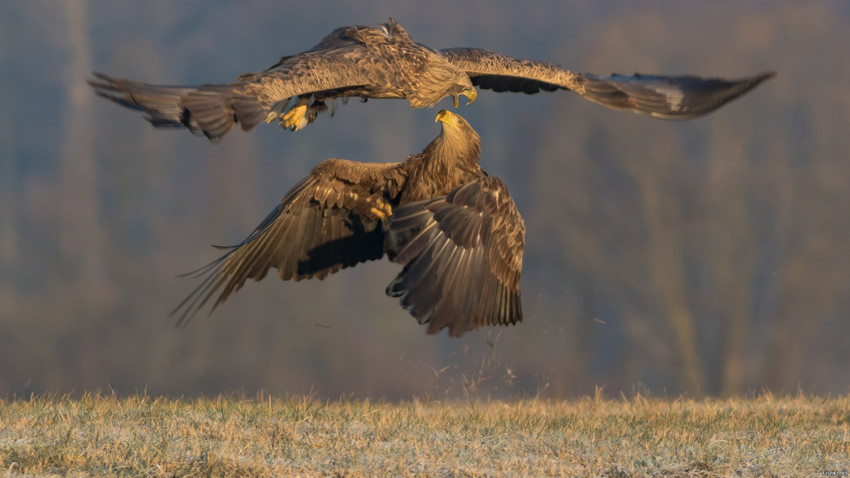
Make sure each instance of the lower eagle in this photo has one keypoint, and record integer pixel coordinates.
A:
(455, 230)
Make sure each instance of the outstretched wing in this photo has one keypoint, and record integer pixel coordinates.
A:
(331, 220)
(215, 109)
(462, 256)
(669, 97)
(348, 62)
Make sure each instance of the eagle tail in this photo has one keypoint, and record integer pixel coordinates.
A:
(211, 110)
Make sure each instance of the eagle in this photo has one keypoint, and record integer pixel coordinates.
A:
(366, 62)
(455, 230)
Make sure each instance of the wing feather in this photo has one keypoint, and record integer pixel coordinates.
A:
(500, 73)
(668, 97)
(462, 256)
(311, 233)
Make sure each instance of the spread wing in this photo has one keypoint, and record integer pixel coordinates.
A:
(462, 256)
(348, 62)
(331, 220)
(669, 97)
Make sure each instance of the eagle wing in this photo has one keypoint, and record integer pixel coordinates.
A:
(669, 97)
(351, 61)
(462, 256)
(332, 219)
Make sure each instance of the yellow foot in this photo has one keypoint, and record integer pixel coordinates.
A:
(294, 119)
(382, 210)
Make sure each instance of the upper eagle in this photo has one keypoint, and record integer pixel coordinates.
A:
(366, 62)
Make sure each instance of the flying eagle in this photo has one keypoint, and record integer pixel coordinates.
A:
(366, 62)
(455, 230)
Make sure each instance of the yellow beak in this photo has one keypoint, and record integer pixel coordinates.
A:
(443, 115)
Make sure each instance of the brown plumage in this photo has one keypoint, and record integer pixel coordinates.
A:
(456, 231)
(667, 97)
(365, 62)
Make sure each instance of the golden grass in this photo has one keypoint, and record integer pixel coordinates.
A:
(144, 436)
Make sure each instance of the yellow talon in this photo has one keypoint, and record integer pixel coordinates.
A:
(294, 118)
(379, 213)
(382, 210)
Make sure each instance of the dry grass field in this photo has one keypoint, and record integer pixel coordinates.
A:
(100, 435)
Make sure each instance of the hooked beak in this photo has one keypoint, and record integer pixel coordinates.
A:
(470, 93)
(443, 115)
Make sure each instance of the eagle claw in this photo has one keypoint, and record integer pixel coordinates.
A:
(295, 118)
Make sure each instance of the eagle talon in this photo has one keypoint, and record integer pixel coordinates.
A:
(294, 119)
(382, 210)
(381, 214)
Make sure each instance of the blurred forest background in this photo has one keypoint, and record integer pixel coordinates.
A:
(709, 257)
